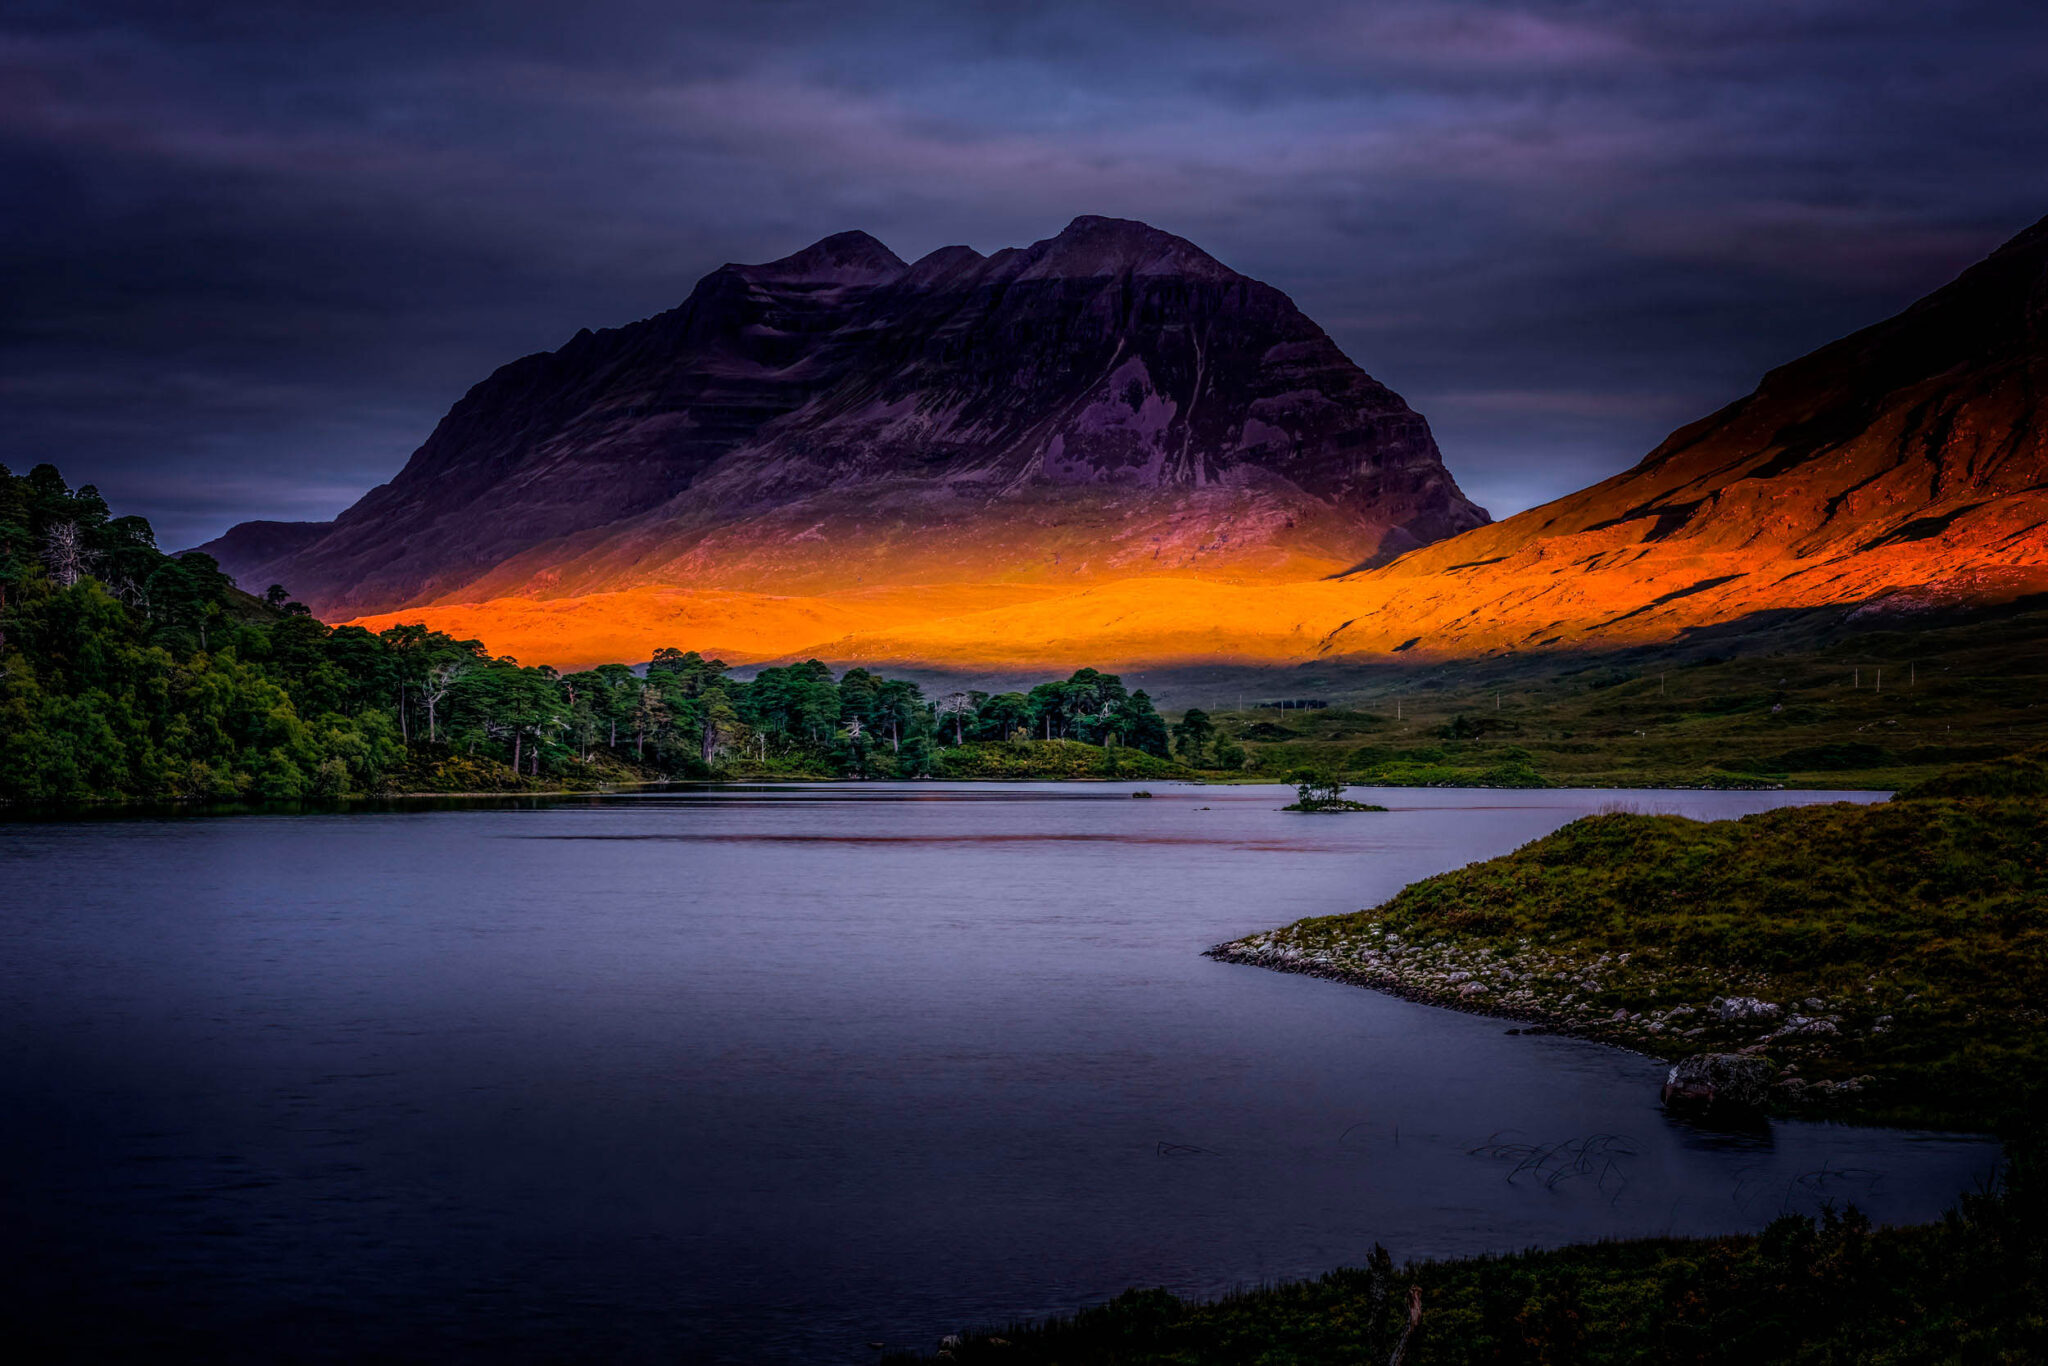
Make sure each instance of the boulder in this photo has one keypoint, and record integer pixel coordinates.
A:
(1743, 1008)
(1719, 1083)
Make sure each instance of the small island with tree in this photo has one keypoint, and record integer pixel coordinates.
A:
(1317, 792)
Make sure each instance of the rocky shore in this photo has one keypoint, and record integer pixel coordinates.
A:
(1809, 1042)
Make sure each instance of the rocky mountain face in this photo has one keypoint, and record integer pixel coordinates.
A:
(1108, 402)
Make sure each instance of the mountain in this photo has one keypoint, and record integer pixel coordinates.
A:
(962, 431)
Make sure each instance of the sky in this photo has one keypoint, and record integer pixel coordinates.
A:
(250, 253)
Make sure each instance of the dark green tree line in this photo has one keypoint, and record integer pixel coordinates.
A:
(126, 673)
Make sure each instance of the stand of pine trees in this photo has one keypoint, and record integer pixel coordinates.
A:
(130, 675)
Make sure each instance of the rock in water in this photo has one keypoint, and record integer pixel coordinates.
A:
(1719, 1083)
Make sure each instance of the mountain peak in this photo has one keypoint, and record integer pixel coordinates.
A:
(844, 258)
(1102, 225)
(1110, 400)
(943, 264)
(1094, 245)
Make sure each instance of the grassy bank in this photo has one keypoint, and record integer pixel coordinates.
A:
(1877, 709)
(1051, 761)
(439, 770)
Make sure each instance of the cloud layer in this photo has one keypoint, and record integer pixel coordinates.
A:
(254, 251)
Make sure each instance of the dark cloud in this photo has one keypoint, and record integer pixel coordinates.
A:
(253, 251)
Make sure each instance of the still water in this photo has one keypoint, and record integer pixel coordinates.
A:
(768, 1074)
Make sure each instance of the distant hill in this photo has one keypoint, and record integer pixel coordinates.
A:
(1107, 402)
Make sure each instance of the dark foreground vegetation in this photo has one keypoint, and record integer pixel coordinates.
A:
(1972, 1287)
(130, 675)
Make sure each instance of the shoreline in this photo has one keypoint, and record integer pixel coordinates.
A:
(1390, 984)
(1481, 983)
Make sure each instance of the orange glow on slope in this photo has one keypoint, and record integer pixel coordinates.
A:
(628, 626)
(1545, 594)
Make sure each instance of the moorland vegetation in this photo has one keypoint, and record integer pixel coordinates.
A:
(1877, 702)
(1826, 1291)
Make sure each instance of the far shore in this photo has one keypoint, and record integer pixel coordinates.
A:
(228, 806)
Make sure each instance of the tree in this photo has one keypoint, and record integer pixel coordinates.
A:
(914, 759)
(722, 726)
(1313, 786)
(854, 748)
(1138, 724)
(65, 554)
(814, 710)
(900, 705)
(1002, 716)
(408, 646)
(1051, 712)
(958, 706)
(1192, 736)
(859, 694)
(442, 675)
(186, 594)
(582, 722)
(124, 556)
(621, 696)
(365, 665)
(1092, 700)
(694, 672)
(514, 704)
(651, 715)
(15, 540)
